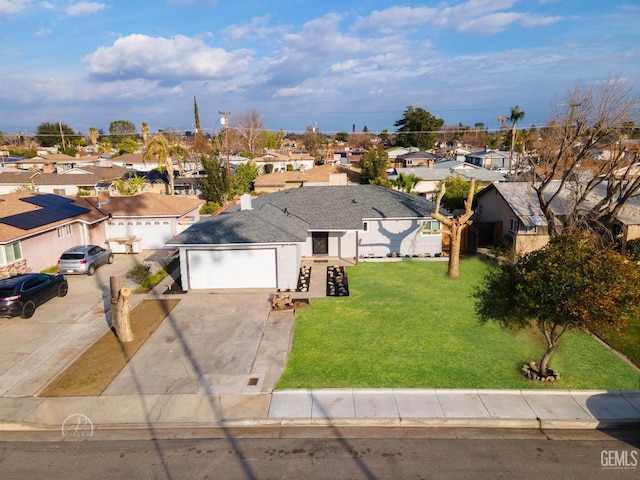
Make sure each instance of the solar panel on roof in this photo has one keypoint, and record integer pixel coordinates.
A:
(54, 208)
(47, 200)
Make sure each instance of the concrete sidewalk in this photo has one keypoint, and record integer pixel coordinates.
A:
(335, 408)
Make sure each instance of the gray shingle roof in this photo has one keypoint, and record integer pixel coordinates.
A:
(288, 215)
(345, 207)
(265, 225)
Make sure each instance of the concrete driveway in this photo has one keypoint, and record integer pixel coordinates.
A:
(210, 343)
(33, 351)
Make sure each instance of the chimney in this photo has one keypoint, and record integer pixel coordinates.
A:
(104, 196)
(245, 202)
(430, 163)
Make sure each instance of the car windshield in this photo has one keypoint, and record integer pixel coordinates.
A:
(72, 256)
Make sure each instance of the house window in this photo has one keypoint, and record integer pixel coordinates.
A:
(513, 225)
(12, 252)
(479, 210)
(365, 226)
(431, 227)
(64, 231)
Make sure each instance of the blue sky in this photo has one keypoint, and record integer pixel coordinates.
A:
(336, 64)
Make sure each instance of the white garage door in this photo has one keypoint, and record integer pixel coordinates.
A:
(232, 268)
(153, 234)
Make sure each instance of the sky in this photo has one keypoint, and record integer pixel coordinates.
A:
(338, 66)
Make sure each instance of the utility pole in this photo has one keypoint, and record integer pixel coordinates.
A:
(225, 121)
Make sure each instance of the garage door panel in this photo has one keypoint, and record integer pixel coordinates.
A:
(232, 268)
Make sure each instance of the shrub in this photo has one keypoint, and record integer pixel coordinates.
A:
(209, 208)
(633, 249)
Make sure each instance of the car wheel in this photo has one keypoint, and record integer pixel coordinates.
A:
(63, 289)
(28, 309)
(91, 270)
(110, 259)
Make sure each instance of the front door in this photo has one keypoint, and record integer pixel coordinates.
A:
(320, 242)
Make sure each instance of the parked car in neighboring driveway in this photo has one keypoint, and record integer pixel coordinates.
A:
(20, 295)
(84, 259)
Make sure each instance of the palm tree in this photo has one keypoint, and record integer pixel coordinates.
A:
(165, 154)
(94, 133)
(144, 128)
(516, 116)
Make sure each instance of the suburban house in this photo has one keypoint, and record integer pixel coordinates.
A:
(145, 221)
(510, 212)
(262, 242)
(489, 159)
(431, 175)
(71, 182)
(35, 228)
(321, 175)
(416, 159)
(280, 161)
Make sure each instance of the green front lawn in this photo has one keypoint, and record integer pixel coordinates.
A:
(406, 325)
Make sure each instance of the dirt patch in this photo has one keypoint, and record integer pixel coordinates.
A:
(93, 371)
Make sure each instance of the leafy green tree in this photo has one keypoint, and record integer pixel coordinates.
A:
(406, 183)
(373, 165)
(571, 283)
(127, 145)
(105, 146)
(122, 128)
(144, 128)
(49, 134)
(456, 192)
(130, 186)
(341, 136)
(215, 184)
(243, 177)
(418, 128)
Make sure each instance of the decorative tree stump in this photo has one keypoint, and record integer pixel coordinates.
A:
(120, 310)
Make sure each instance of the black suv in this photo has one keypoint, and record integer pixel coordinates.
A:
(20, 295)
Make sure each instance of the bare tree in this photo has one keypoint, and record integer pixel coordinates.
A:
(250, 126)
(456, 226)
(577, 185)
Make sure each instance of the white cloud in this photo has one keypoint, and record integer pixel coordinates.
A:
(9, 7)
(84, 8)
(481, 17)
(165, 59)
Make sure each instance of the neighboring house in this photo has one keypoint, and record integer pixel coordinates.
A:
(71, 182)
(36, 228)
(510, 212)
(394, 153)
(431, 176)
(48, 162)
(134, 161)
(261, 243)
(489, 159)
(321, 175)
(150, 218)
(416, 159)
(280, 161)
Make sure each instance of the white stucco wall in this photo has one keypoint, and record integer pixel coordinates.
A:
(288, 266)
(385, 237)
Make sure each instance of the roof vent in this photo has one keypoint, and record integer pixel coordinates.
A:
(245, 202)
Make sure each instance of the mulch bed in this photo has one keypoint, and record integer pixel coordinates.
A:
(93, 371)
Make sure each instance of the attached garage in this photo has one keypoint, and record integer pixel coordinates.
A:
(241, 268)
(153, 234)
